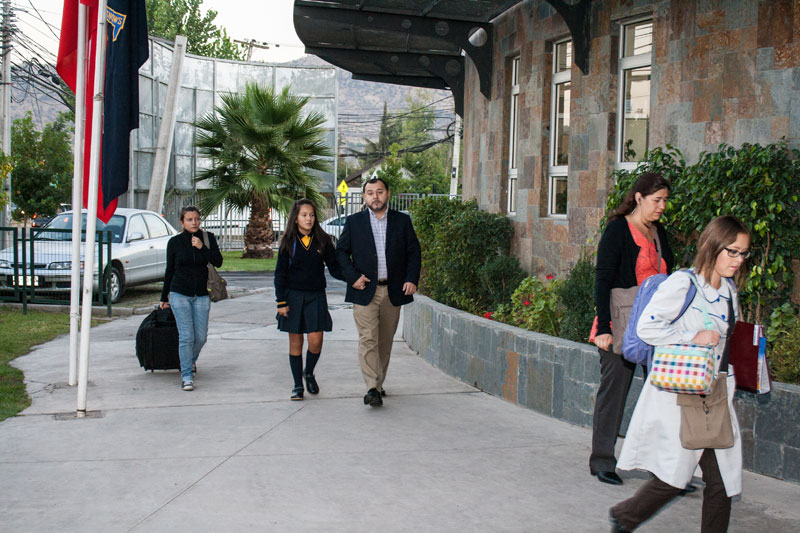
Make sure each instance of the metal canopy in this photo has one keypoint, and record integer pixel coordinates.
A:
(406, 42)
(418, 42)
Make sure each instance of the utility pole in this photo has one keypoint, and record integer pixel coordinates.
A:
(158, 179)
(6, 33)
(252, 43)
(456, 157)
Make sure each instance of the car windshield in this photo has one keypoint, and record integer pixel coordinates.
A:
(64, 222)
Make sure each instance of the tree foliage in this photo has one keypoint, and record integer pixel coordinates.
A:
(42, 166)
(168, 18)
(407, 141)
(264, 149)
(465, 254)
(760, 185)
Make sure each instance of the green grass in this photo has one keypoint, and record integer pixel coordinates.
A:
(232, 261)
(18, 333)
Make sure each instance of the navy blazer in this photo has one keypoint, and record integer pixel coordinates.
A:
(356, 254)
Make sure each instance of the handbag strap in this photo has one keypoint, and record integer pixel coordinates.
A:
(658, 249)
(205, 239)
(723, 364)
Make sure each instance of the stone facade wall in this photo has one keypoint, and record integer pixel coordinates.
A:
(722, 71)
(559, 378)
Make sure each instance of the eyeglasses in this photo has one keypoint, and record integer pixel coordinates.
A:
(736, 253)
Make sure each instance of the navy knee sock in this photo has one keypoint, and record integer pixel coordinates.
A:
(311, 361)
(296, 364)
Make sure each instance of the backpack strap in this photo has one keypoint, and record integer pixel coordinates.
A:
(294, 247)
(707, 323)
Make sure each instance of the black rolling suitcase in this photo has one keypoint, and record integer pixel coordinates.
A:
(157, 341)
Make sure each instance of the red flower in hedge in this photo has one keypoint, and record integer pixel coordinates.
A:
(489, 315)
(527, 302)
(549, 276)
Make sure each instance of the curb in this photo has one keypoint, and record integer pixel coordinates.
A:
(117, 312)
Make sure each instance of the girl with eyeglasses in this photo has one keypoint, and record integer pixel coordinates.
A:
(653, 439)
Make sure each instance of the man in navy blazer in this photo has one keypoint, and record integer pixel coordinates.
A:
(380, 258)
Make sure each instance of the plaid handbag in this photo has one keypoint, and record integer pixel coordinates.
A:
(685, 368)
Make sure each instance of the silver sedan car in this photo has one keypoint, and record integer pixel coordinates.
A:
(138, 253)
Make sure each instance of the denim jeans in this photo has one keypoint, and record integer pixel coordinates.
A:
(191, 314)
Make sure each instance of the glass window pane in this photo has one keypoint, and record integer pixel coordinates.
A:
(563, 56)
(561, 152)
(558, 195)
(156, 226)
(515, 71)
(638, 39)
(512, 137)
(136, 224)
(636, 113)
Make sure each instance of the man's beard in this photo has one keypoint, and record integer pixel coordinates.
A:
(379, 208)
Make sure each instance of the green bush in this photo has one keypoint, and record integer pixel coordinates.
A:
(500, 276)
(533, 306)
(759, 185)
(784, 357)
(460, 244)
(576, 301)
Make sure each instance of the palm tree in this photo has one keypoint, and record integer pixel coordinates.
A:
(263, 150)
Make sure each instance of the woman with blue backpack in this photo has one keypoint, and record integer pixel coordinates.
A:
(633, 247)
(656, 440)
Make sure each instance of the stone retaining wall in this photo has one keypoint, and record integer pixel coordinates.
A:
(559, 378)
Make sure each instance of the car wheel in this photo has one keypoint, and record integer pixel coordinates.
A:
(116, 285)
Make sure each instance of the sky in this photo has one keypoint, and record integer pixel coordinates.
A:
(269, 22)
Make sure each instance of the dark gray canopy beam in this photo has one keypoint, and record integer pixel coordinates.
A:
(577, 17)
(417, 70)
(456, 32)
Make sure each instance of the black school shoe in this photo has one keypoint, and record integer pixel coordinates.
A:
(311, 384)
(297, 393)
(373, 398)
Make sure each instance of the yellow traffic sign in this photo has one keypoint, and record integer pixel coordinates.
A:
(343, 188)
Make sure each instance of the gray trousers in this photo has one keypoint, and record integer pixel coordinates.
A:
(655, 494)
(615, 380)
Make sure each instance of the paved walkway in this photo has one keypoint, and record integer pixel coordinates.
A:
(237, 455)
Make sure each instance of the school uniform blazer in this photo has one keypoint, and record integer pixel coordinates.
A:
(356, 254)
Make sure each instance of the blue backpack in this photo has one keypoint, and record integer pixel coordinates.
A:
(635, 349)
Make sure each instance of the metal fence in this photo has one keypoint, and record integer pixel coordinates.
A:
(229, 226)
(36, 268)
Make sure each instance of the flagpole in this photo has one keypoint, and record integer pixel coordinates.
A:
(77, 195)
(91, 216)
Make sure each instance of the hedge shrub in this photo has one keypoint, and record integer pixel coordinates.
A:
(465, 254)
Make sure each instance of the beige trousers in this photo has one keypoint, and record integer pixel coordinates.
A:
(376, 323)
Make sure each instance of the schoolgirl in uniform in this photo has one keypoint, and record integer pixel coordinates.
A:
(304, 251)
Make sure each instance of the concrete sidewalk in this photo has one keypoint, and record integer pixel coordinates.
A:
(237, 455)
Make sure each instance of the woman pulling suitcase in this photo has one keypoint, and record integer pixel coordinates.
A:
(186, 290)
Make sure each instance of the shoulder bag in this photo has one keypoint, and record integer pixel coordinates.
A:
(621, 305)
(217, 286)
(706, 420)
(685, 368)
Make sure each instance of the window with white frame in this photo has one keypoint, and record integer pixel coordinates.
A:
(636, 48)
(511, 202)
(559, 130)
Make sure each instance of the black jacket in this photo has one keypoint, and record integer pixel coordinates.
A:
(357, 255)
(305, 271)
(187, 267)
(616, 266)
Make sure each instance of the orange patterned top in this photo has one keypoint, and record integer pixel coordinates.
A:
(648, 256)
